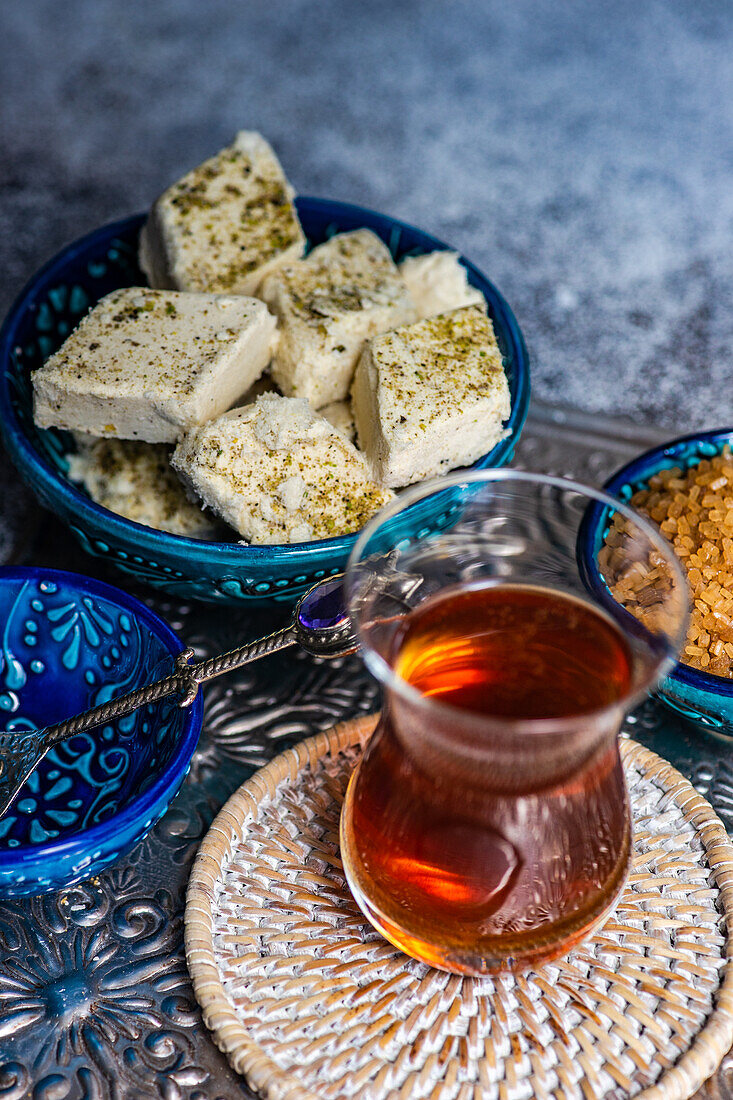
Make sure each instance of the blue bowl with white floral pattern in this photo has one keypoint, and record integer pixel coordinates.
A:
(69, 643)
(52, 305)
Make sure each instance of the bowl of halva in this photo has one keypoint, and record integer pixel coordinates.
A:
(217, 395)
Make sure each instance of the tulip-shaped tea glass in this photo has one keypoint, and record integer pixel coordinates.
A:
(487, 825)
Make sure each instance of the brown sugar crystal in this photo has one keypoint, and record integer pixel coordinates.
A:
(694, 511)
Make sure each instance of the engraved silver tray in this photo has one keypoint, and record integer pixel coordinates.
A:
(95, 999)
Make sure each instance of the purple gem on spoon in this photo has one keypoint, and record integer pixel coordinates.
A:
(321, 620)
(324, 606)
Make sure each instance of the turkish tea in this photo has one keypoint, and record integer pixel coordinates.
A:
(487, 824)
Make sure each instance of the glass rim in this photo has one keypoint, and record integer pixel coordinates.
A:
(390, 679)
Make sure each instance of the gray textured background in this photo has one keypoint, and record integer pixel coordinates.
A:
(579, 152)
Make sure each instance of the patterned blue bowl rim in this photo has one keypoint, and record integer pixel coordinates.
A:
(634, 475)
(39, 471)
(170, 778)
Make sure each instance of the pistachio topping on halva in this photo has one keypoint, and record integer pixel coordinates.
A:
(135, 480)
(430, 397)
(327, 305)
(278, 472)
(224, 225)
(149, 364)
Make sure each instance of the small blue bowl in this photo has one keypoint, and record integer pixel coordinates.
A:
(52, 305)
(69, 643)
(699, 696)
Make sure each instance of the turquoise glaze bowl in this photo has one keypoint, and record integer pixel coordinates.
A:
(69, 643)
(51, 306)
(699, 696)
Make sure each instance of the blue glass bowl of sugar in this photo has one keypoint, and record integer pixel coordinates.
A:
(700, 697)
(68, 643)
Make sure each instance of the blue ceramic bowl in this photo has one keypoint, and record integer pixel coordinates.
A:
(68, 643)
(51, 306)
(699, 696)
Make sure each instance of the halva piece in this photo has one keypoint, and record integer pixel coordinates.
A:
(430, 397)
(135, 480)
(150, 364)
(438, 283)
(278, 472)
(327, 305)
(340, 415)
(224, 225)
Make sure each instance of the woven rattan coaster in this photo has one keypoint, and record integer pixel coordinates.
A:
(307, 1001)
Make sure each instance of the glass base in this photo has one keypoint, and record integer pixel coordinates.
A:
(493, 954)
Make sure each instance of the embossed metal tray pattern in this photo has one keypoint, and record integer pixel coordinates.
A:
(95, 998)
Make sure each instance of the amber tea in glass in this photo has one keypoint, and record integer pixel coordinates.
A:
(487, 824)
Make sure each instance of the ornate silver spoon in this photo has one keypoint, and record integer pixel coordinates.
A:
(319, 625)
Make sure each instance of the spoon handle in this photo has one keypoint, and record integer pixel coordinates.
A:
(184, 681)
(320, 625)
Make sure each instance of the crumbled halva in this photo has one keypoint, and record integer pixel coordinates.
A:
(278, 472)
(327, 305)
(150, 364)
(224, 225)
(430, 396)
(438, 283)
(135, 480)
(340, 415)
